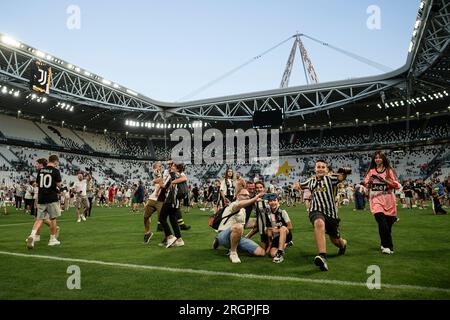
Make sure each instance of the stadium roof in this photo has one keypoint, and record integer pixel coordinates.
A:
(421, 86)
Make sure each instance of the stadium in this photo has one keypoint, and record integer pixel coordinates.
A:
(118, 141)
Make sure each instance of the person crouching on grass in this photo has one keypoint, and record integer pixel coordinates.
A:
(323, 213)
(280, 230)
(231, 229)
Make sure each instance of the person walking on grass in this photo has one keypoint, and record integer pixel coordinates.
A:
(39, 164)
(323, 213)
(153, 205)
(48, 180)
(81, 199)
(171, 206)
(381, 180)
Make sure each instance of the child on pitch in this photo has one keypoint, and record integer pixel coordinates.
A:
(382, 181)
(438, 196)
(323, 213)
(280, 228)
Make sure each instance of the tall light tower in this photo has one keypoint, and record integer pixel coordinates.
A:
(308, 68)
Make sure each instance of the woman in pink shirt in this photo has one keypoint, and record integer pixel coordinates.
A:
(381, 180)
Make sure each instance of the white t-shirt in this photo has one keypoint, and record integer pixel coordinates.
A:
(29, 192)
(36, 191)
(128, 193)
(237, 218)
(157, 174)
(154, 195)
(80, 186)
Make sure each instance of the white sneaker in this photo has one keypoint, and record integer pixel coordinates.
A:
(234, 257)
(83, 217)
(178, 243)
(170, 242)
(30, 242)
(387, 251)
(53, 242)
(202, 209)
(37, 238)
(79, 220)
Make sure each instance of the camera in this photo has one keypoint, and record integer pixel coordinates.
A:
(344, 170)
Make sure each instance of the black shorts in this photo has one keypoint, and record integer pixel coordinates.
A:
(276, 240)
(331, 224)
(186, 201)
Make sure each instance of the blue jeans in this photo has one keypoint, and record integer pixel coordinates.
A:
(245, 244)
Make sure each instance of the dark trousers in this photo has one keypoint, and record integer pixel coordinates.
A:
(18, 202)
(29, 204)
(359, 201)
(173, 214)
(90, 206)
(33, 207)
(437, 207)
(385, 229)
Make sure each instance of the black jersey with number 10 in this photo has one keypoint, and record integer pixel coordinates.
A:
(47, 180)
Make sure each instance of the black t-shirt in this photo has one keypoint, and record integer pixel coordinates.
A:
(407, 190)
(195, 191)
(47, 180)
(215, 194)
(419, 188)
(210, 191)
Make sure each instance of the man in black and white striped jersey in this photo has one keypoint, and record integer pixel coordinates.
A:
(323, 213)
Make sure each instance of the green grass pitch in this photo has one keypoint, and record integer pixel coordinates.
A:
(417, 269)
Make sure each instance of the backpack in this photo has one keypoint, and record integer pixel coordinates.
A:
(216, 219)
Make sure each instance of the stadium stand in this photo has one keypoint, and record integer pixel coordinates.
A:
(21, 129)
(63, 137)
(415, 161)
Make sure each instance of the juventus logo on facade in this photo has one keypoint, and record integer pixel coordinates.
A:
(41, 76)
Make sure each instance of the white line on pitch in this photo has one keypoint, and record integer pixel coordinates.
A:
(59, 220)
(227, 274)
